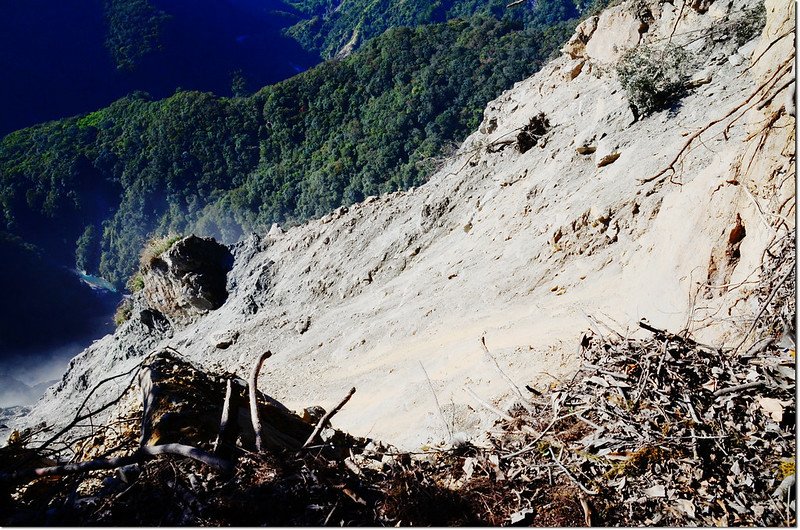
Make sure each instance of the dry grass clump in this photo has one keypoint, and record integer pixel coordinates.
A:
(155, 248)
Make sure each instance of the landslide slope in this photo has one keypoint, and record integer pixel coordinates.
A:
(527, 246)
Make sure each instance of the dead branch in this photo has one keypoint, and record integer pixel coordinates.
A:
(499, 412)
(531, 446)
(570, 475)
(254, 414)
(140, 455)
(764, 307)
(759, 346)
(587, 511)
(505, 376)
(436, 399)
(330, 514)
(187, 451)
(737, 388)
(79, 417)
(697, 134)
(672, 336)
(145, 377)
(326, 418)
(227, 423)
(489, 407)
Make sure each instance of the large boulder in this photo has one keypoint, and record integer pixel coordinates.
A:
(188, 279)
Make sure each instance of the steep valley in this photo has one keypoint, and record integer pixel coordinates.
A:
(528, 249)
(568, 213)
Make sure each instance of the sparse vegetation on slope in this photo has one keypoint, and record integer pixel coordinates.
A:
(653, 77)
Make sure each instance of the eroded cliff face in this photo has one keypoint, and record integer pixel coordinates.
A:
(562, 212)
(187, 280)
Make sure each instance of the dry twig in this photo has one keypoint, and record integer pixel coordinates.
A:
(326, 418)
(140, 455)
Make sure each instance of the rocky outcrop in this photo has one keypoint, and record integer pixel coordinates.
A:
(187, 280)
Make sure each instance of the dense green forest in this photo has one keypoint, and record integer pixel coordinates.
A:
(134, 30)
(103, 183)
(330, 25)
(65, 57)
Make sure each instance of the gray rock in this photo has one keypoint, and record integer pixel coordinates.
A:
(224, 339)
(607, 152)
(187, 280)
(302, 325)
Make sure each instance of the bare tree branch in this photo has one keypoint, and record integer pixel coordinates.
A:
(436, 399)
(225, 423)
(326, 418)
(140, 455)
(253, 389)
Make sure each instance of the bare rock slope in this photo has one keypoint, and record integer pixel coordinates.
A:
(562, 212)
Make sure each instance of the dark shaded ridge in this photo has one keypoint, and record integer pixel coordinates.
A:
(45, 306)
(67, 57)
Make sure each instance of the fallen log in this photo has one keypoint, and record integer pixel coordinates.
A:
(140, 455)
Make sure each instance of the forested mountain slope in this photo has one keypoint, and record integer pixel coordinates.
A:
(63, 57)
(344, 130)
(332, 27)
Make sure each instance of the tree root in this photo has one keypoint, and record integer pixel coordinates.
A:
(782, 70)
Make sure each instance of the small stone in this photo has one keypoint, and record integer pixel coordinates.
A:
(327, 434)
(573, 69)
(699, 80)
(302, 325)
(313, 414)
(489, 126)
(275, 230)
(607, 153)
(608, 159)
(224, 339)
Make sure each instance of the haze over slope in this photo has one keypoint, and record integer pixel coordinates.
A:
(513, 241)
